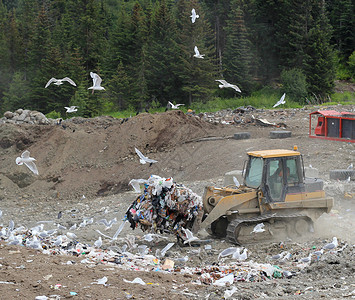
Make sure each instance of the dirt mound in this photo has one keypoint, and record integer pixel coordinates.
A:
(90, 156)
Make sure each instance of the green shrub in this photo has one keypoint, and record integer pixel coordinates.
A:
(351, 63)
(53, 115)
(294, 84)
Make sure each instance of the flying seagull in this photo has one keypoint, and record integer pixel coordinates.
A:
(281, 101)
(197, 53)
(225, 84)
(144, 159)
(96, 82)
(28, 161)
(189, 236)
(194, 16)
(59, 81)
(173, 106)
(71, 108)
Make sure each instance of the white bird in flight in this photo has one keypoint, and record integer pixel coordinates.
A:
(59, 81)
(194, 16)
(225, 84)
(71, 108)
(197, 53)
(189, 236)
(144, 159)
(96, 86)
(28, 161)
(173, 106)
(281, 101)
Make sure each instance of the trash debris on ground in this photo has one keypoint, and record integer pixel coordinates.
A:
(136, 280)
(164, 206)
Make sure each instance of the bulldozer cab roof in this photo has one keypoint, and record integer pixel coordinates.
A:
(273, 153)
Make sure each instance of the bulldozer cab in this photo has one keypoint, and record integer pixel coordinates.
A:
(276, 172)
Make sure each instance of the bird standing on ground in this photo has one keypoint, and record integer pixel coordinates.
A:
(59, 81)
(98, 243)
(281, 101)
(96, 86)
(225, 84)
(194, 16)
(331, 245)
(144, 159)
(28, 161)
(197, 53)
(244, 255)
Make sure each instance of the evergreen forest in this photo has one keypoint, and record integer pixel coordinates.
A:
(144, 51)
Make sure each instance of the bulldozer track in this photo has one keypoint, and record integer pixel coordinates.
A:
(234, 224)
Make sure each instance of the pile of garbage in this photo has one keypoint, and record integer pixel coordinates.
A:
(244, 116)
(164, 206)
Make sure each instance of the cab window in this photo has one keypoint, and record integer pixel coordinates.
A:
(292, 176)
(254, 172)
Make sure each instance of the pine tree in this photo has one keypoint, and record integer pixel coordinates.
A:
(161, 55)
(341, 14)
(5, 65)
(17, 96)
(237, 55)
(38, 54)
(263, 17)
(119, 88)
(319, 55)
(292, 29)
(196, 76)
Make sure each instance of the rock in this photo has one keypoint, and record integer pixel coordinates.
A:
(8, 115)
(23, 116)
(19, 111)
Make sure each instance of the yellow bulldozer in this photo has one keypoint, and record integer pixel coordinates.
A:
(274, 192)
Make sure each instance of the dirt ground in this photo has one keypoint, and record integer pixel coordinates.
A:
(84, 169)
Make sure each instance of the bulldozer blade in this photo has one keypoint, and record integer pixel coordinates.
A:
(226, 204)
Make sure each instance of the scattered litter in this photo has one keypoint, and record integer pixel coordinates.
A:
(102, 281)
(6, 282)
(224, 280)
(135, 280)
(168, 265)
(229, 293)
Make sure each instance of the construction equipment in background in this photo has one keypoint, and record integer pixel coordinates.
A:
(275, 192)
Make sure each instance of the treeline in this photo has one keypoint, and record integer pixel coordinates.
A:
(143, 50)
